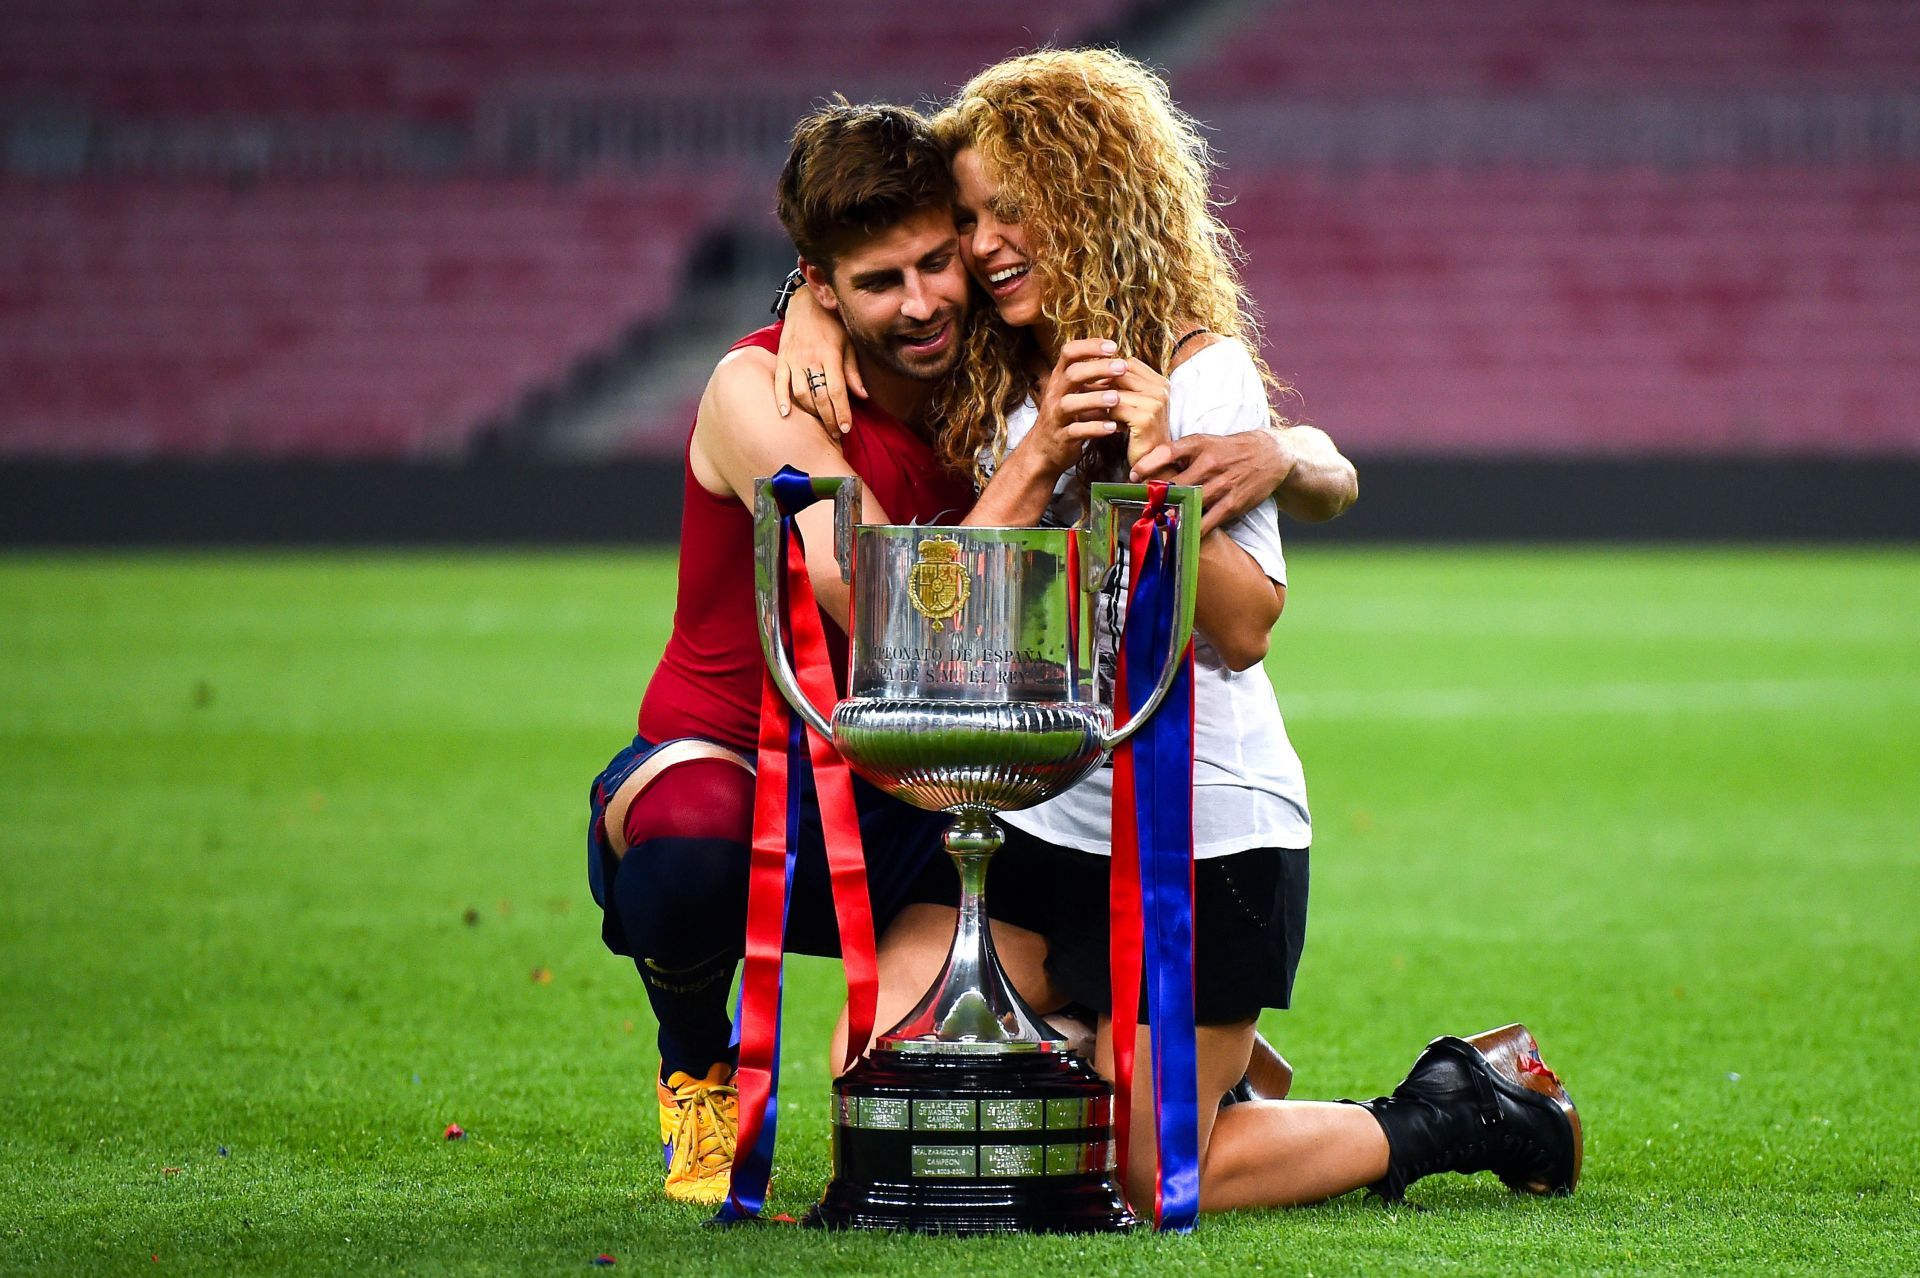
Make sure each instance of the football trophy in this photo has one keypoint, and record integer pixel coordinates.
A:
(974, 688)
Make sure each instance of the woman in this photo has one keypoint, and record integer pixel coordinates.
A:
(1083, 216)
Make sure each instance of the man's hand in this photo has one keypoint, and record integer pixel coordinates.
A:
(1298, 466)
(1235, 472)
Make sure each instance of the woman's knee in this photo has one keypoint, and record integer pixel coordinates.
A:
(1221, 1053)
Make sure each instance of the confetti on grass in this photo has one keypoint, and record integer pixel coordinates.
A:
(456, 1132)
(541, 976)
(471, 918)
(603, 1260)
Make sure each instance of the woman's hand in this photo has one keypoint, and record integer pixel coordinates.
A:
(1076, 403)
(1094, 392)
(1142, 409)
(1091, 393)
(815, 366)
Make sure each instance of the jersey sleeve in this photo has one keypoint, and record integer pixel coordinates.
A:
(1219, 392)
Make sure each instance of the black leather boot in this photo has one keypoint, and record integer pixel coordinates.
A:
(1488, 1103)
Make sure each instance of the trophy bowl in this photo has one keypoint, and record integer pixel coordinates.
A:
(973, 689)
(948, 756)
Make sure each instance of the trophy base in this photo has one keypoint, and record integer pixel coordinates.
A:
(972, 1143)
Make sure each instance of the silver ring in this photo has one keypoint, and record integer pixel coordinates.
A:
(816, 378)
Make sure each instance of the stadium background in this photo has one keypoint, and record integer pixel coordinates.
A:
(289, 832)
(454, 270)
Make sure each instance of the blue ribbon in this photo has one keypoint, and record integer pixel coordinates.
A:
(1163, 801)
(793, 493)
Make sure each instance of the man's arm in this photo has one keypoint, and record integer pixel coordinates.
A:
(739, 436)
(1298, 466)
(1321, 483)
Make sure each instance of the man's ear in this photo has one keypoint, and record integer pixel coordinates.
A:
(820, 284)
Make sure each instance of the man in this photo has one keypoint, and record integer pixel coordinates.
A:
(865, 195)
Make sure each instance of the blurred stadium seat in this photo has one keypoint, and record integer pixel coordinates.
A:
(313, 318)
(440, 58)
(1730, 312)
(334, 228)
(1380, 47)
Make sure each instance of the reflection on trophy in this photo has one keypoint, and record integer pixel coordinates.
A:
(973, 690)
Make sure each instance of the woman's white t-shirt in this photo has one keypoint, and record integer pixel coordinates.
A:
(1249, 790)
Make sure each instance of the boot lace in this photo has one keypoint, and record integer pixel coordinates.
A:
(708, 1125)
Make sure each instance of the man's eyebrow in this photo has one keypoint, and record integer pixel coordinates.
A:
(869, 279)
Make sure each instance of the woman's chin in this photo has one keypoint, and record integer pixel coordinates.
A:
(1017, 312)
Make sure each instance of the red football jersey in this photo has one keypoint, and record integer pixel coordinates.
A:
(708, 681)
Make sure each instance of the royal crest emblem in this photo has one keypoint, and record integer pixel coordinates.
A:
(938, 584)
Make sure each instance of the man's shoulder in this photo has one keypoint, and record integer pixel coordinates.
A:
(746, 363)
(738, 417)
(760, 339)
(736, 362)
(746, 360)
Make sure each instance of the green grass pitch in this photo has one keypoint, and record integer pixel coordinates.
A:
(1663, 805)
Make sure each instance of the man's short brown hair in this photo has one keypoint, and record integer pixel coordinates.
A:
(853, 172)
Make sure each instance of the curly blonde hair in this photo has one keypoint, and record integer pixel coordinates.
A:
(1109, 179)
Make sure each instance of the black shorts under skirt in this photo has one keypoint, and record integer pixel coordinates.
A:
(1250, 923)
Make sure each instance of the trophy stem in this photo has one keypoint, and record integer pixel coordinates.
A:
(972, 1007)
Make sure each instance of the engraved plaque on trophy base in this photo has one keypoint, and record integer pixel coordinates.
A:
(971, 1143)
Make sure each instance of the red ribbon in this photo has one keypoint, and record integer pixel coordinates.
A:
(1126, 926)
(756, 1073)
(839, 817)
(775, 822)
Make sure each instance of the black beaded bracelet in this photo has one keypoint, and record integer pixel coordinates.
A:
(788, 287)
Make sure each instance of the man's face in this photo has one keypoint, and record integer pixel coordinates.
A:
(902, 295)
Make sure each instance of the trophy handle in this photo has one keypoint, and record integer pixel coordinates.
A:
(1104, 552)
(769, 570)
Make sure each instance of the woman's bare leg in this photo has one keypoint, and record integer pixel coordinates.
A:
(913, 950)
(1268, 1071)
(1257, 1153)
(1285, 1153)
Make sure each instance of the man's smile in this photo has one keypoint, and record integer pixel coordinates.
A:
(930, 341)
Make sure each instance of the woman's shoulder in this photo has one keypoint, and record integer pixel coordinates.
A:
(1210, 354)
(1216, 390)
